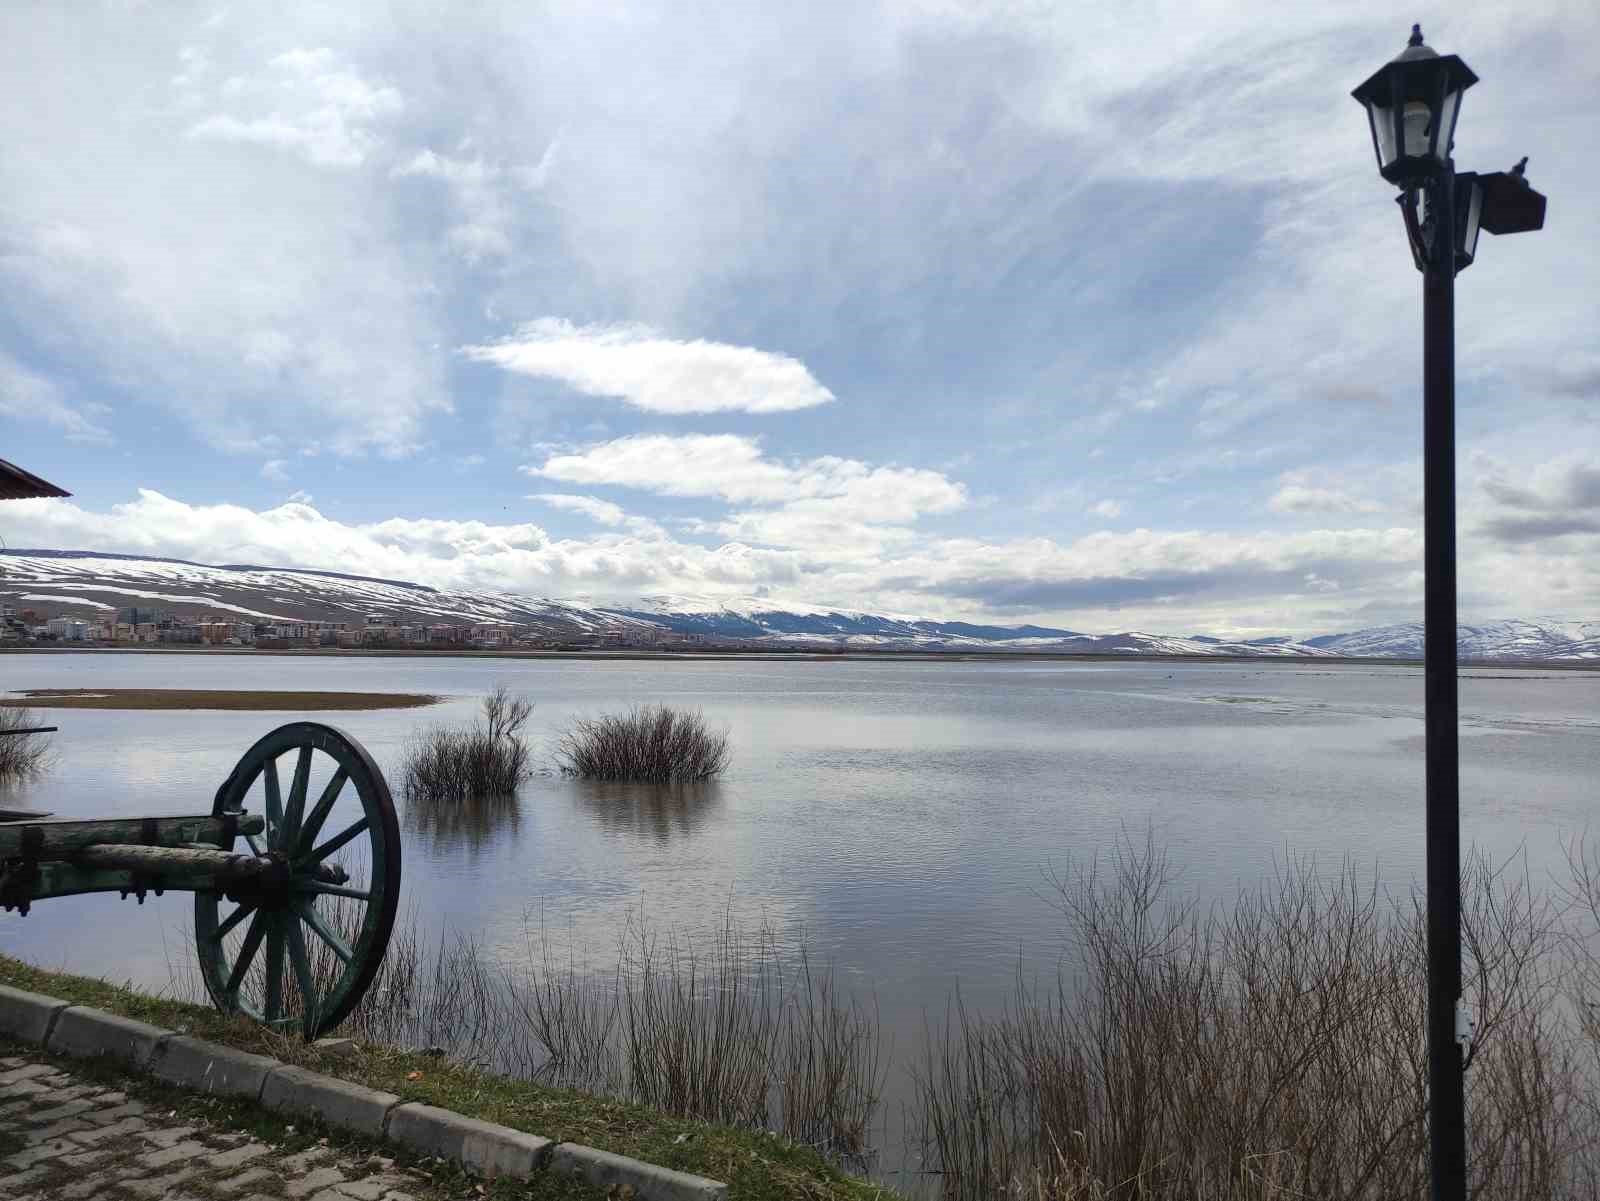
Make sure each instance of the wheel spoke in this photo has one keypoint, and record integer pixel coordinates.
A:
(297, 799)
(269, 777)
(332, 890)
(312, 826)
(302, 975)
(337, 841)
(325, 932)
(245, 910)
(247, 952)
(273, 1010)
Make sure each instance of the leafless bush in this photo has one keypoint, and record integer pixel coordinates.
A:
(1273, 1050)
(649, 743)
(486, 759)
(22, 755)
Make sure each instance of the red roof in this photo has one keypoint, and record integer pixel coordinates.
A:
(17, 484)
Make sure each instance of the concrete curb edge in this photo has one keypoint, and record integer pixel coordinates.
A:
(487, 1148)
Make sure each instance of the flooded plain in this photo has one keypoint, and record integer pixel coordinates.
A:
(897, 817)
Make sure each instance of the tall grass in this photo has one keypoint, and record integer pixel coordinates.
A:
(649, 743)
(1273, 1050)
(1266, 1049)
(485, 759)
(22, 755)
(726, 1030)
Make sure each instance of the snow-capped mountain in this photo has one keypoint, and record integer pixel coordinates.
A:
(1527, 639)
(93, 584)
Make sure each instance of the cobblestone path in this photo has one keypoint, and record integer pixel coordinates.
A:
(83, 1140)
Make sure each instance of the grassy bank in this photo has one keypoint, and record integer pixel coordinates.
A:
(203, 698)
(754, 1165)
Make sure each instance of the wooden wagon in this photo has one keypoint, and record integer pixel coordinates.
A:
(295, 891)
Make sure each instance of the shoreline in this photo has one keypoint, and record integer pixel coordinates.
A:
(807, 656)
(755, 1164)
(239, 700)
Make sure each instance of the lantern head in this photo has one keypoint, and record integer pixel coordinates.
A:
(1412, 104)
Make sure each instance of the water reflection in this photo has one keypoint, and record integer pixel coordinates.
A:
(657, 811)
(474, 825)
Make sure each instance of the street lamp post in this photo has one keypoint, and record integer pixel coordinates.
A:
(1412, 105)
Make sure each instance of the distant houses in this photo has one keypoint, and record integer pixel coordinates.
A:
(140, 626)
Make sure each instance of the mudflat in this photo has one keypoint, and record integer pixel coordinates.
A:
(204, 698)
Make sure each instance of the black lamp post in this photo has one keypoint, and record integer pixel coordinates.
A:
(1412, 104)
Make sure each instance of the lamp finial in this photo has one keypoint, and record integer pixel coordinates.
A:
(1416, 36)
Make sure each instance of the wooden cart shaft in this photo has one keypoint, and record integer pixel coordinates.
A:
(58, 838)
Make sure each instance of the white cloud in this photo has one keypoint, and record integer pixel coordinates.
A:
(266, 303)
(1296, 497)
(1106, 508)
(734, 469)
(308, 103)
(487, 195)
(1313, 581)
(274, 469)
(635, 364)
(452, 554)
(27, 396)
(603, 511)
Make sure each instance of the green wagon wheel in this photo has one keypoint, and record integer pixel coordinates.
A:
(299, 949)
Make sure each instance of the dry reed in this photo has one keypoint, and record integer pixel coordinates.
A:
(1273, 1050)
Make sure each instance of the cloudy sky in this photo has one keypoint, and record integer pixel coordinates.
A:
(1090, 314)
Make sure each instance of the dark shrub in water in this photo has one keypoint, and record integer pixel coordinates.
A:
(22, 755)
(487, 758)
(650, 743)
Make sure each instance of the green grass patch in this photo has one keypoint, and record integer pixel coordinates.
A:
(755, 1166)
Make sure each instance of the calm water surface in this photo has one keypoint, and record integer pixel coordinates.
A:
(897, 815)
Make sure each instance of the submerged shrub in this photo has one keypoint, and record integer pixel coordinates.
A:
(650, 743)
(21, 755)
(487, 758)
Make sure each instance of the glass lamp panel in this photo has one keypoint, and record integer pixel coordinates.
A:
(1417, 125)
(1447, 123)
(1382, 118)
(1469, 232)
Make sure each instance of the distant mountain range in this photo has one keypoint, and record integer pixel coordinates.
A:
(86, 583)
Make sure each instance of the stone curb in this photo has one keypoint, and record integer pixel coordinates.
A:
(27, 1016)
(606, 1170)
(83, 1032)
(210, 1068)
(337, 1102)
(485, 1147)
(488, 1149)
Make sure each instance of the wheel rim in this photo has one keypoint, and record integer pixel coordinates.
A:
(299, 952)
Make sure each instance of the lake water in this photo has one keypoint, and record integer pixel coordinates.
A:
(898, 815)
